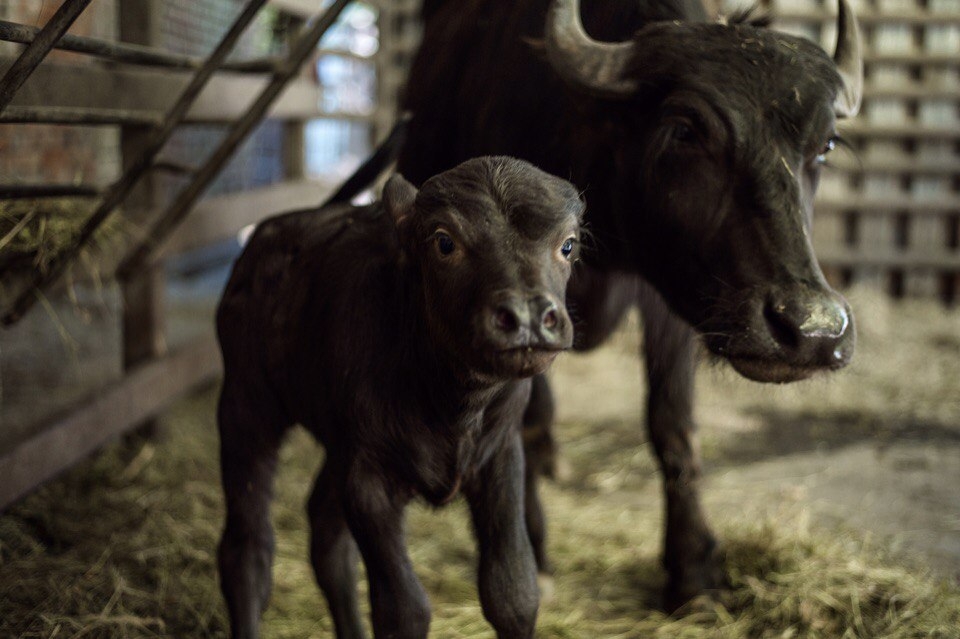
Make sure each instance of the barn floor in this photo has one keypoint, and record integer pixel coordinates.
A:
(837, 500)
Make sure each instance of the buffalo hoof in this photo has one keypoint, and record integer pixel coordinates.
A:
(695, 583)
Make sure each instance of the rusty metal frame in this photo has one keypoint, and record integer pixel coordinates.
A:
(236, 134)
(36, 51)
(120, 189)
(128, 53)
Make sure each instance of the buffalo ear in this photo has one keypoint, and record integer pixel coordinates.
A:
(398, 197)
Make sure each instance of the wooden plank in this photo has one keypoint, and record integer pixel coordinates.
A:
(143, 332)
(225, 97)
(67, 439)
(914, 59)
(911, 90)
(219, 218)
(889, 204)
(916, 166)
(302, 8)
(921, 259)
(868, 18)
(859, 128)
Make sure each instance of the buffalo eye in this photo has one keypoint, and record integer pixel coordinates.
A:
(566, 249)
(683, 133)
(829, 146)
(445, 244)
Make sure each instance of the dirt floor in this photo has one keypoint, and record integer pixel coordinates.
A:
(837, 501)
(874, 448)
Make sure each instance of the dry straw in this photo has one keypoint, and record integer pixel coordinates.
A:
(123, 546)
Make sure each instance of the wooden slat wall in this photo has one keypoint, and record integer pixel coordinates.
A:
(890, 215)
(400, 32)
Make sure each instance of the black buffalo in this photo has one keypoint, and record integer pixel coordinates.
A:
(403, 336)
(699, 145)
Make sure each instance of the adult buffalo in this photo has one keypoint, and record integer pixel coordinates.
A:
(699, 145)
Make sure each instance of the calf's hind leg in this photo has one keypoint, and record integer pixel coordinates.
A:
(333, 554)
(249, 440)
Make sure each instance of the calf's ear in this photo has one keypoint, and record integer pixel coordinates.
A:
(398, 197)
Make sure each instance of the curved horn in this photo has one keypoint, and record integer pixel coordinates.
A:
(597, 67)
(849, 60)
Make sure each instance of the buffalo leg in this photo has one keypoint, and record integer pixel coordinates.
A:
(689, 545)
(249, 441)
(333, 554)
(399, 605)
(507, 574)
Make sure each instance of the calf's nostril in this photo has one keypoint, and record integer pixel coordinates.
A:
(549, 319)
(506, 320)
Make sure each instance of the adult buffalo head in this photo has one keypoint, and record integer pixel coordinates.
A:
(719, 134)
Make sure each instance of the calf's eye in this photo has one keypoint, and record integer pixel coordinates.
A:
(445, 244)
(566, 249)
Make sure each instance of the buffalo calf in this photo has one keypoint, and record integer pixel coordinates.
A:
(402, 335)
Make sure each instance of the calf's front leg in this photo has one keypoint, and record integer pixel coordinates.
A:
(374, 512)
(507, 576)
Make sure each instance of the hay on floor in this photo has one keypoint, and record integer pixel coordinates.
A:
(124, 546)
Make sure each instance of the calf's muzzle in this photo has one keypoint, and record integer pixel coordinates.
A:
(516, 320)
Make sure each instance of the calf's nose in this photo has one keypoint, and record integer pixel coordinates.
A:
(518, 320)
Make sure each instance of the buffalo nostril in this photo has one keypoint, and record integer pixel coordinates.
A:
(782, 328)
(506, 320)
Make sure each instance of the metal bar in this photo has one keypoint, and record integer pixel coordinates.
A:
(137, 167)
(29, 191)
(34, 54)
(174, 167)
(129, 53)
(144, 392)
(78, 116)
(224, 99)
(170, 218)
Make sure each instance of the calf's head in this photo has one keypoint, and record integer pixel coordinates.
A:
(719, 134)
(492, 243)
